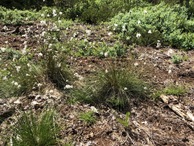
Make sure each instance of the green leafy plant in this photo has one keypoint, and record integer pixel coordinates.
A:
(99, 49)
(177, 59)
(125, 121)
(32, 130)
(88, 117)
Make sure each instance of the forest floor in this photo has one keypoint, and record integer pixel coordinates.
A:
(152, 122)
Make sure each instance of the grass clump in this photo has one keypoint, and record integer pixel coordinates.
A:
(88, 117)
(113, 88)
(32, 130)
(21, 73)
(174, 90)
(56, 69)
(19, 76)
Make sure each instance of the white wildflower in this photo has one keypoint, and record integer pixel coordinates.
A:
(15, 83)
(149, 31)
(145, 11)
(115, 25)
(54, 13)
(60, 13)
(125, 88)
(40, 54)
(27, 75)
(58, 64)
(50, 45)
(138, 35)
(19, 86)
(158, 44)
(145, 88)
(39, 84)
(18, 68)
(5, 78)
(3, 49)
(124, 28)
(68, 87)
(48, 15)
(42, 15)
(109, 33)
(106, 54)
(138, 22)
(28, 64)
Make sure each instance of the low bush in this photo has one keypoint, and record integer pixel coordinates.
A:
(96, 11)
(8, 16)
(145, 26)
(99, 49)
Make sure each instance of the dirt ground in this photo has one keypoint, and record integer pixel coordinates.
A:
(152, 122)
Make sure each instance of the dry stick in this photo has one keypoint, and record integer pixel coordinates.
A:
(176, 108)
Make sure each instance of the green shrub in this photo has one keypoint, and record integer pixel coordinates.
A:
(33, 130)
(95, 11)
(144, 26)
(15, 16)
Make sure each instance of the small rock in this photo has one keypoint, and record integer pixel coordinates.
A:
(34, 103)
(170, 52)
